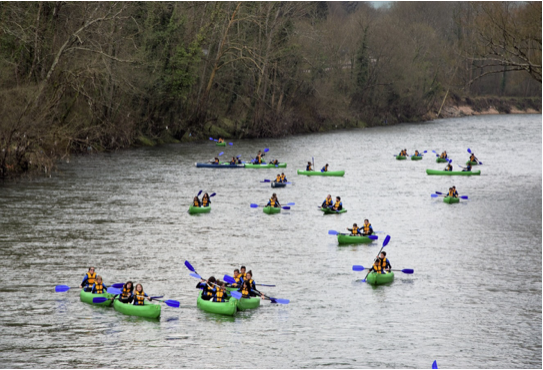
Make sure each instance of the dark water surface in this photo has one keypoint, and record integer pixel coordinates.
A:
(473, 302)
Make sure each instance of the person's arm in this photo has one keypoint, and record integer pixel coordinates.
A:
(84, 282)
(371, 230)
(93, 289)
(105, 287)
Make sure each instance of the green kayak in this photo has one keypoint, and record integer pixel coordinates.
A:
(329, 211)
(220, 144)
(265, 165)
(401, 157)
(451, 200)
(441, 160)
(416, 157)
(149, 310)
(343, 239)
(318, 173)
(226, 308)
(88, 296)
(380, 279)
(248, 303)
(473, 163)
(453, 173)
(272, 210)
(195, 210)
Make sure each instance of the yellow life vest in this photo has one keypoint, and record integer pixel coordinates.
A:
(220, 296)
(196, 203)
(283, 177)
(336, 206)
(139, 297)
(205, 201)
(272, 202)
(278, 179)
(472, 158)
(238, 280)
(91, 278)
(326, 168)
(379, 265)
(245, 292)
(126, 293)
(451, 193)
(416, 153)
(366, 228)
(221, 141)
(355, 230)
(328, 202)
(242, 275)
(99, 288)
(259, 158)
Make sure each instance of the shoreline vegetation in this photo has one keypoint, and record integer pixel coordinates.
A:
(83, 77)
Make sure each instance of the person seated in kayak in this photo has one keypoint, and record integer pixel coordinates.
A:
(278, 178)
(403, 153)
(455, 193)
(382, 264)
(328, 202)
(366, 228)
(242, 273)
(443, 155)
(88, 280)
(249, 279)
(238, 278)
(325, 168)
(308, 167)
(283, 177)
(451, 193)
(449, 167)
(233, 161)
(338, 206)
(245, 289)
(220, 295)
(221, 140)
(473, 158)
(140, 295)
(205, 200)
(355, 230)
(216, 160)
(273, 202)
(274, 162)
(98, 287)
(417, 154)
(196, 202)
(467, 168)
(127, 292)
(207, 287)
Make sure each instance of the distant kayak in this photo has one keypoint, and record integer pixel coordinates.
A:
(453, 173)
(195, 210)
(265, 165)
(401, 157)
(275, 184)
(221, 166)
(330, 211)
(148, 309)
(344, 239)
(87, 297)
(380, 279)
(451, 200)
(318, 173)
(272, 210)
(473, 163)
(220, 144)
(416, 157)
(222, 308)
(442, 160)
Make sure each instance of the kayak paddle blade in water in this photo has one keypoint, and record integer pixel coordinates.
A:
(63, 288)
(358, 268)
(229, 279)
(235, 294)
(112, 290)
(100, 300)
(434, 364)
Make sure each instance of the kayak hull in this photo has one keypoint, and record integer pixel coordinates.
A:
(329, 211)
(248, 303)
(219, 166)
(278, 184)
(318, 173)
(451, 200)
(224, 308)
(401, 157)
(441, 160)
(196, 210)
(380, 279)
(88, 296)
(453, 173)
(271, 210)
(265, 165)
(220, 144)
(416, 157)
(351, 239)
(473, 163)
(148, 310)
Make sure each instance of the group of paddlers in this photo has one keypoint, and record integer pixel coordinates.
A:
(217, 291)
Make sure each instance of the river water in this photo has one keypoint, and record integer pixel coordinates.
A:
(474, 300)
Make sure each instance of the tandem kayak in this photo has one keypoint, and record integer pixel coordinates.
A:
(380, 279)
(416, 157)
(220, 144)
(222, 308)
(276, 184)
(88, 296)
(329, 211)
(442, 160)
(318, 173)
(265, 165)
(401, 157)
(453, 173)
(222, 166)
(451, 200)
(148, 310)
(473, 163)
(352, 239)
(248, 303)
(195, 210)
(272, 210)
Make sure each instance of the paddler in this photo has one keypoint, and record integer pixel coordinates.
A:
(275, 162)
(273, 202)
(221, 140)
(216, 160)
(403, 153)
(242, 273)
(245, 289)
(367, 229)
(205, 200)
(233, 161)
(325, 168)
(338, 206)
(328, 202)
(455, 192)
(473, 158)
(220, 294)
(308, 167)
(278, 178)
(451, 193)
(196, 202)
(88, 279)
(283, 177)
(382, 264)
(467, 168)
(249, 280)
(98, 287)
(238, 278)
(449, 167)
(355, 230)
(443, 155)
(140, 295)
(127, 293)
(417, 154)
(207, 287)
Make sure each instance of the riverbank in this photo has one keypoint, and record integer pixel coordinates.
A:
(461, 107)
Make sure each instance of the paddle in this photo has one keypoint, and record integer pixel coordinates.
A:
(117, 285)
(221, 153)
(313, 159)
(234, 293)
(438, 193)
(256, 206)
(478, 161)
(274, 300)
(189, 266)
(266, 180)
(385, 243)
(230, 280)
(200, 192)
(169, 302)
(360, 268)
(64, 288)
(230, 143)
(434, 365)
(334, 232)
(266, 150)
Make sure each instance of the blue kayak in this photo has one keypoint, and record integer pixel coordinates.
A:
(221, 166)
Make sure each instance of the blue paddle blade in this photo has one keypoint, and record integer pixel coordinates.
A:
(62, 288)
(200, 192)
(279, 300)
(332, 232)
(464, 197)
(117, 285)
(229, 279)
(358, 268)
(172, 303)
(450, 160)
(425, 151)
(112, 290)
(266, 150)
(235, 294)
(439, 193)
(290, 204)
(434, 364)
(212, 195)
(287, 208)
(481, 163)
(469, 150)
(254, 205)
(100, 300)
(189, 266)
(408, 271)
(266, 180)
(434, 195)
(195, 275)
(221, 153)
(230, 143)
(157, 297)
(373, 237)
(385, 242)
(239, 155)
(211, 138)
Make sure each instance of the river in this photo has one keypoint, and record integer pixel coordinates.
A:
(474, 300)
